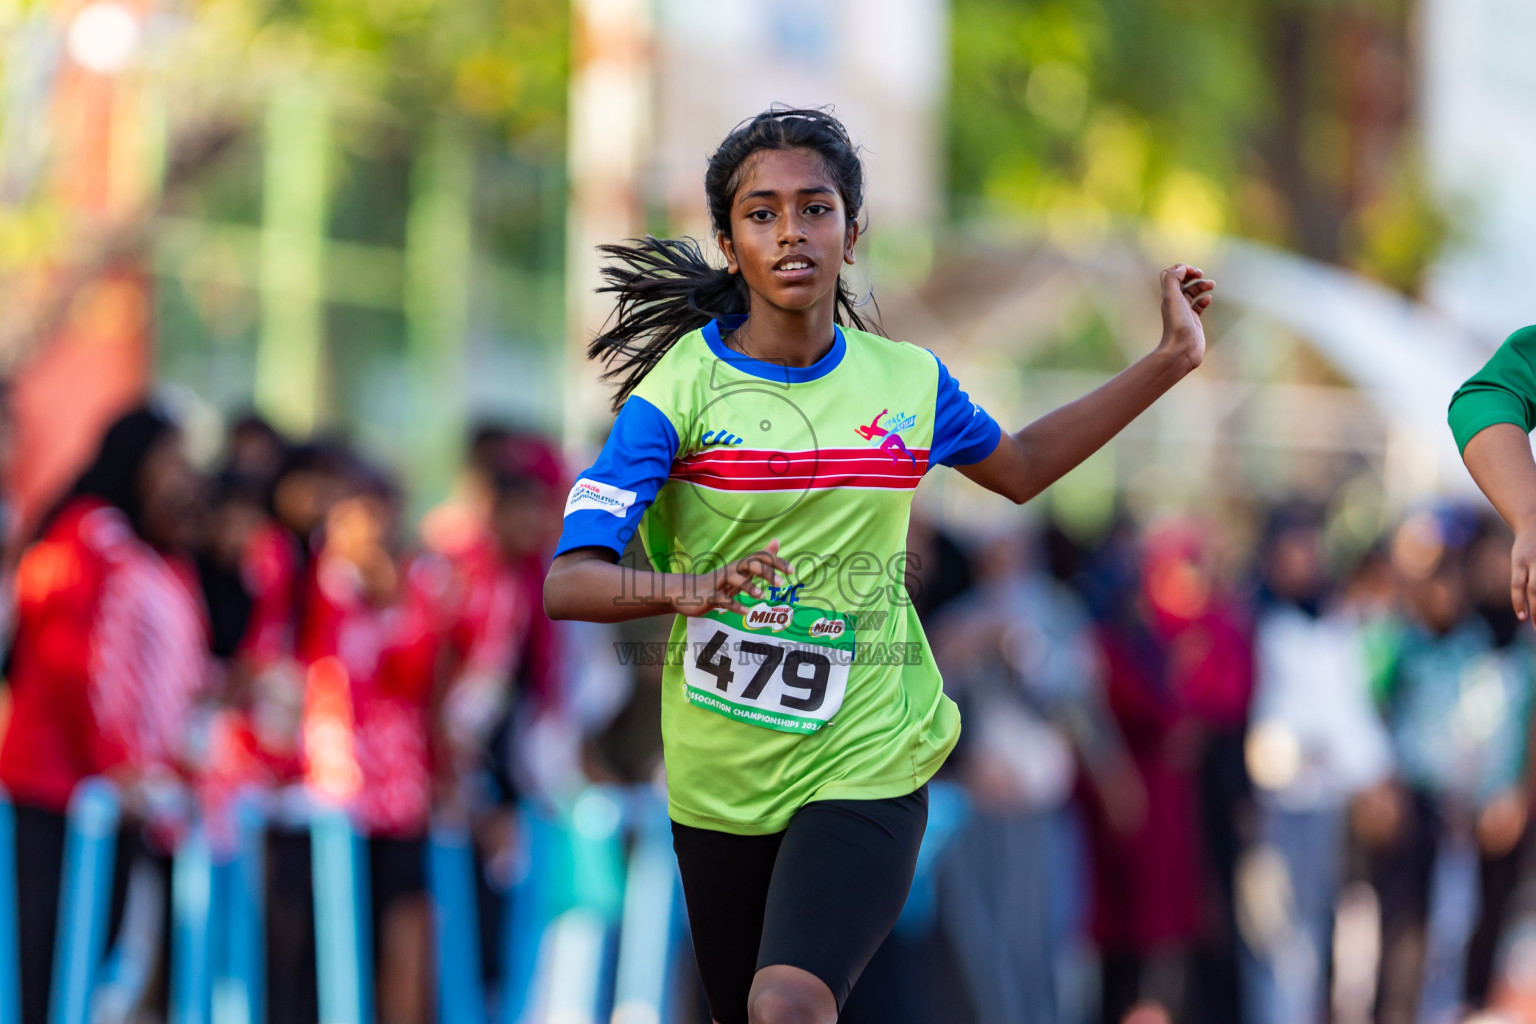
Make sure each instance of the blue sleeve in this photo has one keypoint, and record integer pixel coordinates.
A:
(963, 433)
(605, 506)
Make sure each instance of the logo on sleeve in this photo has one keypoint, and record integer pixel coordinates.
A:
(598, 496)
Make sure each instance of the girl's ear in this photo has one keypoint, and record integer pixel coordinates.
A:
(853, 237)
(728, 247)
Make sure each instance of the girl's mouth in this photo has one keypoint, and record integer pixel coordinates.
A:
(794, 267)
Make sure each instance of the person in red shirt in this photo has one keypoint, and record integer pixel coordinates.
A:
(263, 534)
(498, 621)
(372, 640)
(109, 654)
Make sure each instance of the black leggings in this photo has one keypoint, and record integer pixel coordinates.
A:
(821, 895)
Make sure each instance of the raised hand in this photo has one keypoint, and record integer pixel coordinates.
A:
(1187, 294)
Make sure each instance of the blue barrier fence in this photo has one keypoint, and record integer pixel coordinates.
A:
(593, 929)
(451, 876)
(238, 987)
(10, 970)
(90, 847)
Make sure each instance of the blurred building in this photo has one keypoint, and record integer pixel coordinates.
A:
(882, 64)
(1478, 108)
(78, 134)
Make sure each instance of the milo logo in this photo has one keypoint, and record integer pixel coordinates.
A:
(772, 617)
(828, 629)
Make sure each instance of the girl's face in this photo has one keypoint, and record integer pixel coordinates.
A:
(358, 528)
(169, 495)
(1294, 564)
(790, 233)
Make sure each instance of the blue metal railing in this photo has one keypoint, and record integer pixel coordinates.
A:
(591, 934)
(531, 908)
(10, 969)
(343, 939)
(451, 876)
(648, 933)
(192, 929)
(239, 976)
(90, 848)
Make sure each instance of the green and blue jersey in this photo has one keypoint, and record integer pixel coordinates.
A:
(826, 688)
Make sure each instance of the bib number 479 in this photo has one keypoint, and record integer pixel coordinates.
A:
(798, 670)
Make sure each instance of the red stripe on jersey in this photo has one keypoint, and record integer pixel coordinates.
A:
(738, 469)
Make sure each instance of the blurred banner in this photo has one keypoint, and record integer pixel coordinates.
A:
(1478, 85)
(91, 351)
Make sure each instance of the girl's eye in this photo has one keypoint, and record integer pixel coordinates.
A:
(817, 208)
(760, 215)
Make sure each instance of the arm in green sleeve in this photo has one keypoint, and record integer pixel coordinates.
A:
(1503, 391)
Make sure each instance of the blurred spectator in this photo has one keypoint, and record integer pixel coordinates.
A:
(231, 759)
(372, 640)
(496, 531)
(1019, 657)
(460, 523)
(255, 451)
(1502, 832)
(497, 569)
(276, 568)
(937, 568)
(501, 522)
(10, 520)
(1458, 709)
(109, 655)
(1315, 741)
(262, 744)
(1177, 662)
(235, 513)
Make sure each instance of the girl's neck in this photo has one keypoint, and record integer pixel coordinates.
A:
(785, 337)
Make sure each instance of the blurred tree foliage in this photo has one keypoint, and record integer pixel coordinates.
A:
(500, 64)
(391, 73)
(1286, 121)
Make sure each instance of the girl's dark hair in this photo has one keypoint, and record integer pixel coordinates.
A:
(667, 288)
(113, 475)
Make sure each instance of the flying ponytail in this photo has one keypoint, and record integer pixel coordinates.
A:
(666, 287)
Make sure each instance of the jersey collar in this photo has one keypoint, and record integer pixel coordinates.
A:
(773, 371)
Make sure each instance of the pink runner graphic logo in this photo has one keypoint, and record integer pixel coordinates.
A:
(892, 444)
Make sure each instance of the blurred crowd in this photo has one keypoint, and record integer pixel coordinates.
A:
(1278, 781)
(272, 629)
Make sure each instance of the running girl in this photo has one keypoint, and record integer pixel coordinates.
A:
(766, 450)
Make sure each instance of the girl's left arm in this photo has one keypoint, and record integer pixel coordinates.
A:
(1025, 463)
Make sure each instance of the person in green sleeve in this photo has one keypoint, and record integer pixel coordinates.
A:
(1492, 415)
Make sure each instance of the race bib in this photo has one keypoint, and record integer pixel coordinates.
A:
(780, 666)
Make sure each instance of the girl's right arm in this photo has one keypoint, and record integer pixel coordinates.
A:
(589, 584)
(603, 513)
